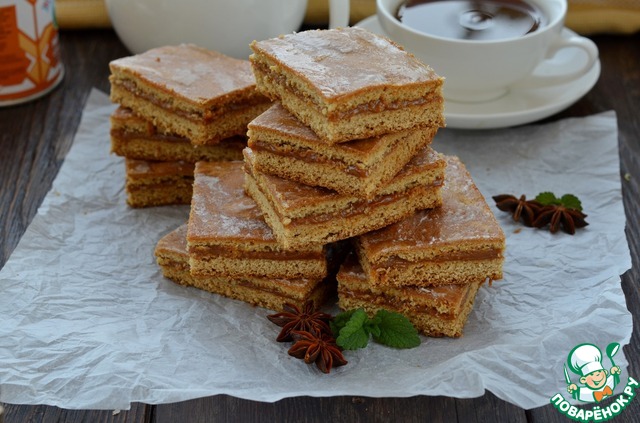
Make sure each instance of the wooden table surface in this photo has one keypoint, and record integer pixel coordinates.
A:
(35, 137)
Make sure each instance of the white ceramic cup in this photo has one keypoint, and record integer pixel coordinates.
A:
(477, 71)
(227, 26)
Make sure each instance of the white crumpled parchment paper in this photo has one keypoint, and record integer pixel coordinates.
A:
(88, 321)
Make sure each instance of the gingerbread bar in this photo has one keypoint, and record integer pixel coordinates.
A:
(302, 215)
(348, 83)
(173, 258)
(136, 138)
(458, 243)
(189, 91)
(227, 235)
(284, 147)
(152, 183)
(435, 311)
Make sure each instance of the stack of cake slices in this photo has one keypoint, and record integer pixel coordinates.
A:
(227, 248)
(341, 157)
(344, 153)
(345, 149)
(178, 105)
(430, 265)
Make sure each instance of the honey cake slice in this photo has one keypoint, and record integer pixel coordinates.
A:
(273, 293)
(305, 215)
(458, 243)
(136, 138)
(285, 147)
(153, 183)
(227, 235)
(434, 311)
(187, 90)
(348, 83)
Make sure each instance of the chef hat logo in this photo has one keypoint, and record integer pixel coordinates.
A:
(585, 359)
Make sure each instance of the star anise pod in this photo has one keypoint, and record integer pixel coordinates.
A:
(557, 215)
(320, 349)
(307, 320)
(519, 207)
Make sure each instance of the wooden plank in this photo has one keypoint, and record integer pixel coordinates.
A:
(139, 413)
(488, 408)
(307, 409)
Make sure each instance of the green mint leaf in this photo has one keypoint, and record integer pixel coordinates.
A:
(570, 201)
(339, 321)
(547, 198)
(372, 326)
(353, 334)
(396, 330)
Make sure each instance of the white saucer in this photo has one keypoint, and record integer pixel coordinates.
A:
(518, 106)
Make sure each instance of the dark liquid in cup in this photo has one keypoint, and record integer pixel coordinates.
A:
(472, 20)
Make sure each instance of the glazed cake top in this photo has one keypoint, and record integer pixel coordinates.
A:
(174, 242)
(197, 75)
(463, 219)
(345, 60)
(220, 209)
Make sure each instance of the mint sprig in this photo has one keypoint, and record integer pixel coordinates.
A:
(354, 328)
(396, 330)
(569, 201)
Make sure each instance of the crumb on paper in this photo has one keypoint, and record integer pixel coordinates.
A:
(517, 230)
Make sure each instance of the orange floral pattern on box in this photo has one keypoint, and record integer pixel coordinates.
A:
(29, 49)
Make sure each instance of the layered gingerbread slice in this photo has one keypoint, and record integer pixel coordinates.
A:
(227, 235)
(136, 138)
(285, 147)
(153, 183)
(302, 215)
(434, 311)
(189, 91)
(348, 83)
(173, 258)
(458, 243)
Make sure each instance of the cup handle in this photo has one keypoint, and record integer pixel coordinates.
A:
(338, 13)
(569, 41)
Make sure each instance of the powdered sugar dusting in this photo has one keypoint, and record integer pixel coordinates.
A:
(346, 60)
(221, 210)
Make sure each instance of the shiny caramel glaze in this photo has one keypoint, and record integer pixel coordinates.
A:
(345, 61)
(191, 73)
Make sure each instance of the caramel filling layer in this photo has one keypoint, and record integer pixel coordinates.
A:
(309, 156)
(197, 116)
(173, 184)
(155, 136)
(364, 207)
(400, 263)
(285, 293)
(226, 252)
